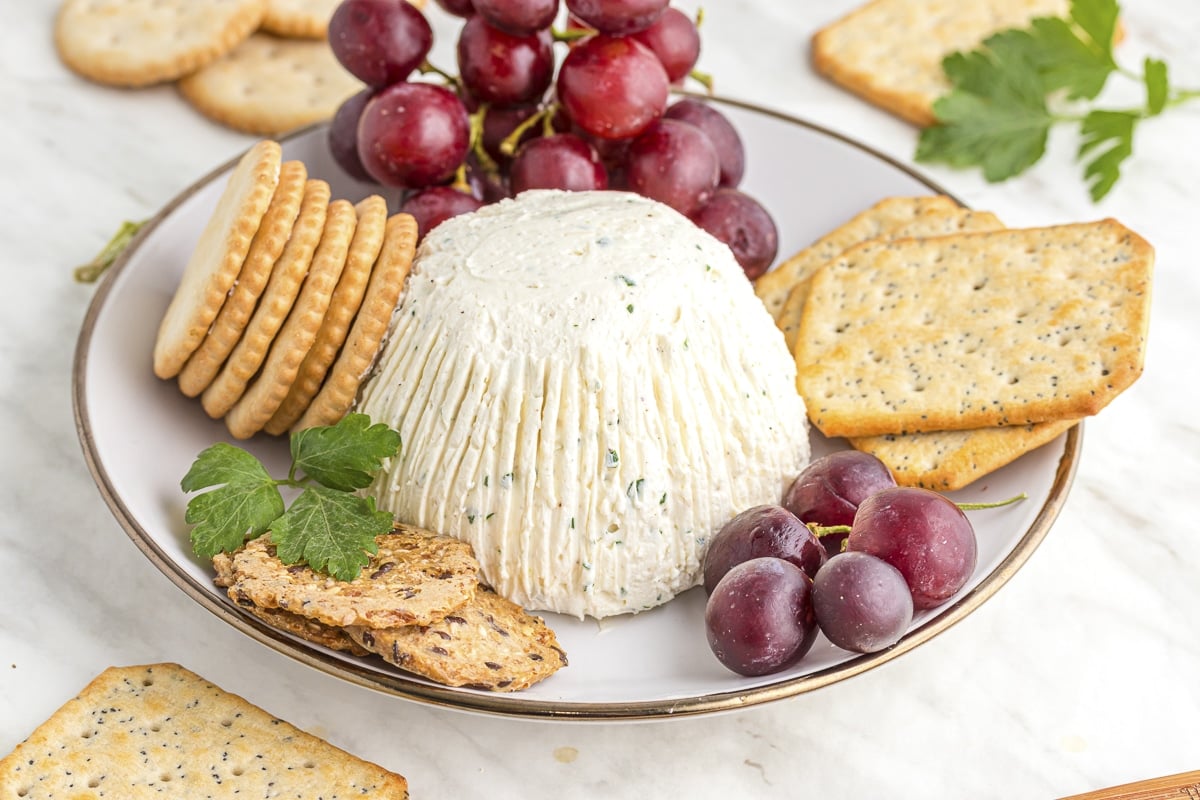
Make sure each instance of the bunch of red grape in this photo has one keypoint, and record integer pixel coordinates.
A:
(506, 123)
(773, 583)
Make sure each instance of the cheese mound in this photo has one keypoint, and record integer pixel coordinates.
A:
(587, 390)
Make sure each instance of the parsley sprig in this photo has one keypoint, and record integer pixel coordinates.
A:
(328, 526)
(1008, 93)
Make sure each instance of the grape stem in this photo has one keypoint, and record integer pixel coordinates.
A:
(980, 506)
(91, 271)
(427, 68)
(826, 530)
(703, 78)
(481, 154)
(572, 35)
(509, 145)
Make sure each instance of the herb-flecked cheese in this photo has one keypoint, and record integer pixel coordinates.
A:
(587, 389)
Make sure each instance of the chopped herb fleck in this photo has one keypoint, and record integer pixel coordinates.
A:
(629, 308)
(489, 516)
(612, 459)
(635, 488)
(485, 480)
(662, 501)
(628, 280)
(506, 480)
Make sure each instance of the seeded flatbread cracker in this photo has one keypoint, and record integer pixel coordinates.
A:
(273, 232)
(937, 222)
(294, 339)
(949, 460)
(362, 345)
(217, 258)
(140, 42)
(975, 330)
(273, 306)
(364, 249)
(889, 52)
(301, 627)
(416, 578)
(268, 85)
(490, 643)
(773, 287)
(148, 732)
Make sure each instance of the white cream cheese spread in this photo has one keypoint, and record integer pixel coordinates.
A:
(587, 390)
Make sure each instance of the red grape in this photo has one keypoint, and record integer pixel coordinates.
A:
(459, 8)
(379, 41)
(497, 67)
(718, 128)
(922, 534)
(830, 489)
(676, 42)
(518, 17)
(674, 163)
(435, 205)
(757, 532)
(760, 617)
(343, 136)
(741, 222)
(613, 88)
(562, 161)
(862, 602)
(617, 17)
(413, 135)
(488, 185)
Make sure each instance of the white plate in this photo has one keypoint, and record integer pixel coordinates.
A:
(140, 435)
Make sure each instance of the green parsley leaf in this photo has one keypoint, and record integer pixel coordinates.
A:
(1000, 125)
(1099, 128)
(331, 531)
(1158, 88)
(1098, 19)
(1006, 95)
(344, 456)
(246, 503)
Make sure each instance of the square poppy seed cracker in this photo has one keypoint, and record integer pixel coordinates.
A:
(267, 85)
(134, 43)
(948, 460)
(343, 307)
(975, 330)
(416, 578)
(490, 643)
(935, 222)
(773, 287)
(273, 232)
(269, 388)
(358, 354)
(159, 730)
(277, 299)
(217, 258)
(890, 52)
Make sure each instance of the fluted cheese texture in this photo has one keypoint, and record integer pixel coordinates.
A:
(587, 390)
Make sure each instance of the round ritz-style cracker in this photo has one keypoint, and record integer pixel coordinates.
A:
(268, 85)
(347, 297)
(294, 339)
(273, 307)
(134, 43)
(416, 578)
(265, 248)
(490, 643)
(304, 19)
(362, 345)
(218, 257)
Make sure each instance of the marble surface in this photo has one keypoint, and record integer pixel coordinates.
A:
(1079, 674)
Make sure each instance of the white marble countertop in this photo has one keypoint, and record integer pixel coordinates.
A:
(1080, 673)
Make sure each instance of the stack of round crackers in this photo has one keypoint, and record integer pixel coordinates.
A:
(259, 66)
(285, 300)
